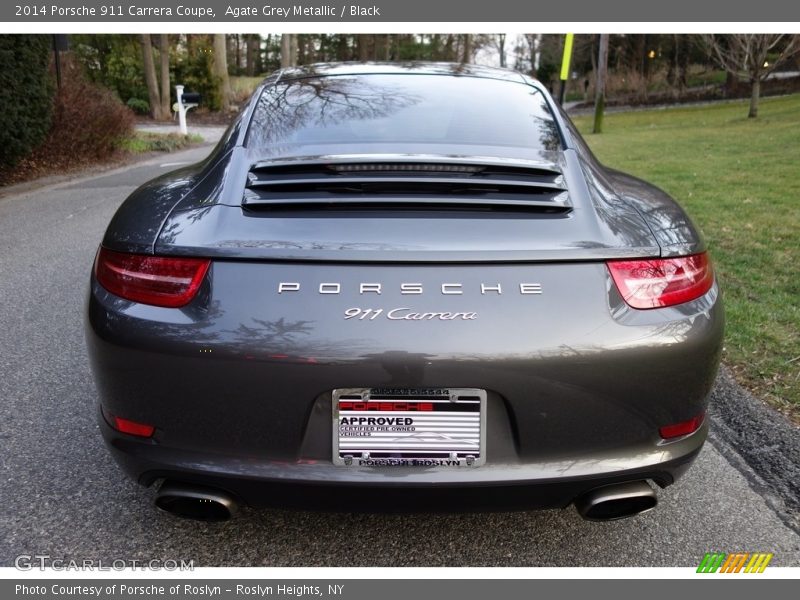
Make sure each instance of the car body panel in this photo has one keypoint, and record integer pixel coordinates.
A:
(238, 382)
(219, 383)
(211, 222)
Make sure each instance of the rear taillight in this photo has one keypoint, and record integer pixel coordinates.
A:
(683, 428)
(158, 280)
(658, 282)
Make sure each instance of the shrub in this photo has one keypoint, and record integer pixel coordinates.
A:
(88, 122)
(112, 60)
(25, 95)
(139, 106)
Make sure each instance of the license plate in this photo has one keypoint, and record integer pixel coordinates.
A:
(387, 427)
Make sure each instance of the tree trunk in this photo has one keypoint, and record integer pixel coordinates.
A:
(391, 46)
(150, 77)
(382, 47)
(683, 67)
(163, 50)
(293, 51)
(286, 50)
(467, 57)
(754, 95)
(221, 71)
(364, 43)
(378, 47)
(264, 54)
(639, 55)
(530, 38)
(342, 48)
(238, 45)
(436, 47)
(600, 84)
(501, 46)
(253, 43)
(672, 70)
(258, 66)
(449, 55)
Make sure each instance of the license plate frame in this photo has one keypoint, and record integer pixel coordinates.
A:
(436, 430)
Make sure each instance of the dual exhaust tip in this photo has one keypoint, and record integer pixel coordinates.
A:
(195, 502)
(607, 503)
(618, 501)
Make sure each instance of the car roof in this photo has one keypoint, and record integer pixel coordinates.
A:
(402, 68)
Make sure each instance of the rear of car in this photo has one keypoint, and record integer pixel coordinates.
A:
(408, 288)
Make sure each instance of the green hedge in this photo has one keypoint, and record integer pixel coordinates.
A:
(26, 95)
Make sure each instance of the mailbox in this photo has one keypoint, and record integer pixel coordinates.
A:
(186, 100)
(191, 98)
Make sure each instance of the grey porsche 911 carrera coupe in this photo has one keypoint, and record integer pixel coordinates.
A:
(403, 287)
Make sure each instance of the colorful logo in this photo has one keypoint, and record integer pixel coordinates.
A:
(744, 562)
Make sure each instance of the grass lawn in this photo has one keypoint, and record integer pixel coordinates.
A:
(739, 179)
(141, 142)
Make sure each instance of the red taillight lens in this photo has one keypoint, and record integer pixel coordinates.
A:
(658, 282)
(158, 280)
(682, 428)
(132, 427)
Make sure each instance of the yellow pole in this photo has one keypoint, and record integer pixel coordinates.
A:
(567, 56)
(565, 66)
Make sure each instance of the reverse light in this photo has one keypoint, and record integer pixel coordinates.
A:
(683, 428)
(158, 280)
(132, 427)
(659, 282)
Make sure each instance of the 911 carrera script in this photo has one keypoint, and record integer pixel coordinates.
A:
(407, 314)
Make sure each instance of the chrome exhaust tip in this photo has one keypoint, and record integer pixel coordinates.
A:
(190, 501)
(618, 501)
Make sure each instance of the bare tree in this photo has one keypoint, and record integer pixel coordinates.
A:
(221, 71)
(679, 62)
(501, 48)
(156, 109)
(534, 44)
(750, 52)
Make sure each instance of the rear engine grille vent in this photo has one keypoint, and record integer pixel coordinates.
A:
(405, 185)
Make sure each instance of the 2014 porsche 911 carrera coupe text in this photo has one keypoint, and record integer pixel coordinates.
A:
(403, 286)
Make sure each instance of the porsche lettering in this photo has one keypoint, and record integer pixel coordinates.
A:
(407, 288)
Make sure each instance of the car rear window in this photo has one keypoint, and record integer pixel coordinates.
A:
(403, 108)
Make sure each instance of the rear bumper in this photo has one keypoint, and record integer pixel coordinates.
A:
(238, 384)
(319, 485)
